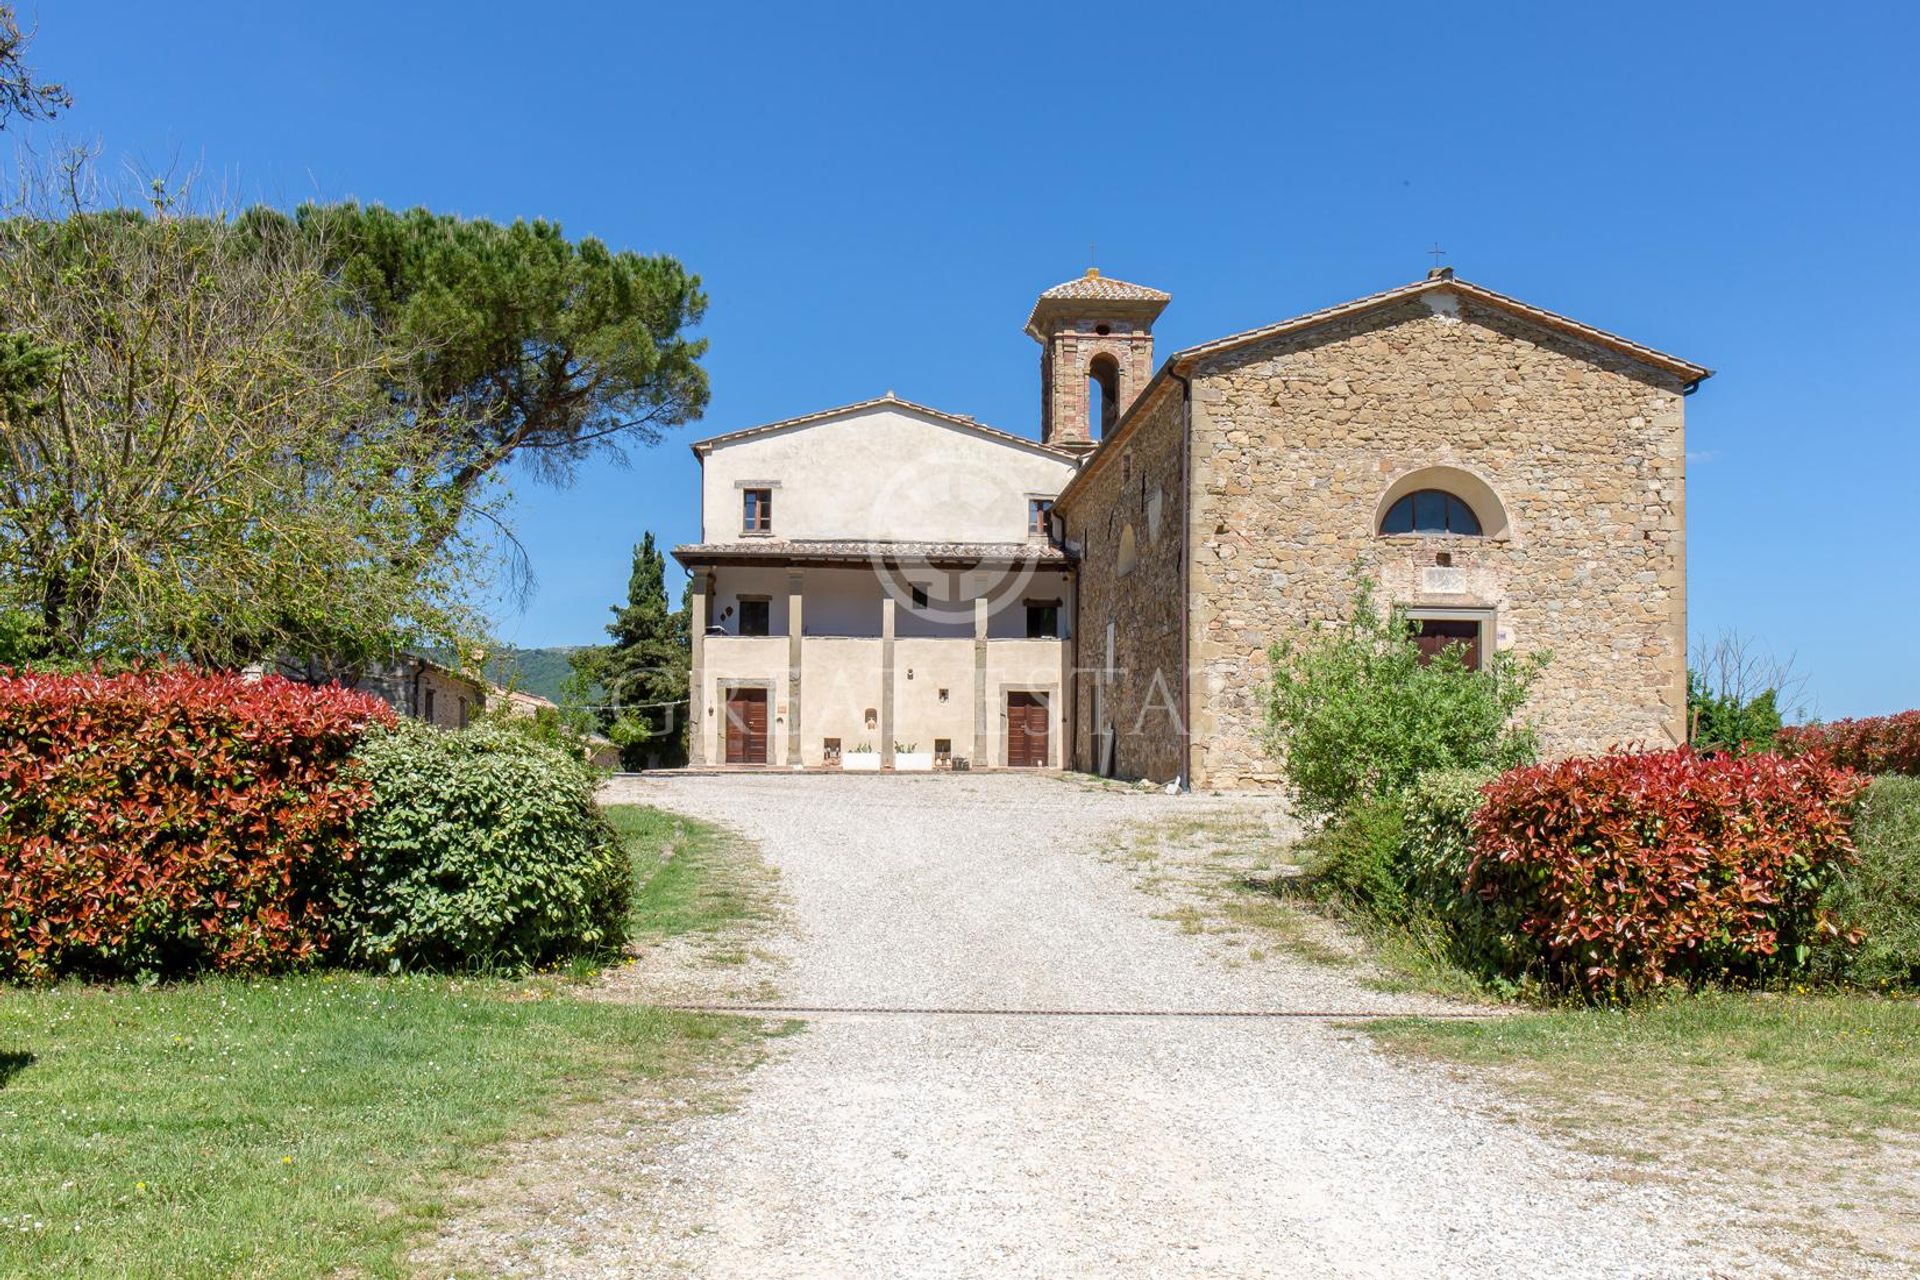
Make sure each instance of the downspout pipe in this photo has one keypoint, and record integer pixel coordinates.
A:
(1070, 713)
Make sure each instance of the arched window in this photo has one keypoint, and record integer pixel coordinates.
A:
(1430, 511)
(1129, 555)
(1103, 395)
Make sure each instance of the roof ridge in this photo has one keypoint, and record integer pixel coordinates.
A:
(965, 421)
(1694, 373)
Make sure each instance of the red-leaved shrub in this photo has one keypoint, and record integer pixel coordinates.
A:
(1628, 871)
(1873, 744)
(168, 822)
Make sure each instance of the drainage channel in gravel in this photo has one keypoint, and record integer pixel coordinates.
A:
(814, 1010)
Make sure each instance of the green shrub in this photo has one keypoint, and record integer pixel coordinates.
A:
(1880, 896)
(1352, 714)
(1437, 834)
(482, 848)
(1436, 852)
(1355, 860)
(553, 726)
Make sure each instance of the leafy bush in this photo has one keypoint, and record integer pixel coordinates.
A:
(1355, 859)
(1880, 896)
(1351, 713)
(1728, 722)
(1629, 871)
(1437, 851)
(168, 822)
(1873, 744)
(551, 726)
(482, 848)
(1437, 834)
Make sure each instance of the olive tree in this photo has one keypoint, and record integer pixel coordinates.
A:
(202, 452)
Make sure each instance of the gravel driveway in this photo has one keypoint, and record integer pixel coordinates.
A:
(931, 1144)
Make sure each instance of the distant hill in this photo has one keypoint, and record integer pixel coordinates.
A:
(540, 671)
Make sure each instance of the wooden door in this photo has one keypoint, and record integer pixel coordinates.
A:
(746, 726)
(1027, 730)
(1434, 635)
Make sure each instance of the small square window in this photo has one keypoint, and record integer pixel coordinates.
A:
(756, 617)
(943, 695)
(1038, 509)
(756, 511)
(919, 597)
(1043, 620)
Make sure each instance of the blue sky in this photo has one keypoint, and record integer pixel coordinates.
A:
(874, 194)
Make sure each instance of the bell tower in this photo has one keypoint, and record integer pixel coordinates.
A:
(1096, 355)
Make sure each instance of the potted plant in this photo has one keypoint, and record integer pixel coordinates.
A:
(909, 758)
(863, 758)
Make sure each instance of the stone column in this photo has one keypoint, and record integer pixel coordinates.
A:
(697, 673)
(886, 681)
(982, 696)
(795, 630)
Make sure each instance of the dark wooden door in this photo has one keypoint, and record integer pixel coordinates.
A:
(746, 726)
(1027, 730)
(1436, 634)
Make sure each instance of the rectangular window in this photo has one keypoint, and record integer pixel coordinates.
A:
(1043, 620)
(1435, 636)
(919, 597)
(756, 617)
(1037, 511)
(756, 511)
(429, 716)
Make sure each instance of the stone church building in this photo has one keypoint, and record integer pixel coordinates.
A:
(892, 577)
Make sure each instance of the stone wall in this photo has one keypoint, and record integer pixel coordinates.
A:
(405, 685)
(1132, 483)
(1297, 443)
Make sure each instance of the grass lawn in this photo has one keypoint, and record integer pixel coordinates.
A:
(305, 1125)
(687, 878)
(1840, 1066)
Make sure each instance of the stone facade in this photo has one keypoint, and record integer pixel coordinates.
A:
(1299, 444)
(1128, 713)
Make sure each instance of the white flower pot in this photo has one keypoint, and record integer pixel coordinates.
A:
(913, 761)
(860, 761)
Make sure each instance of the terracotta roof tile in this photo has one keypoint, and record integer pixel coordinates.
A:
(851, 550)
(1094, 287)
(888, 400)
